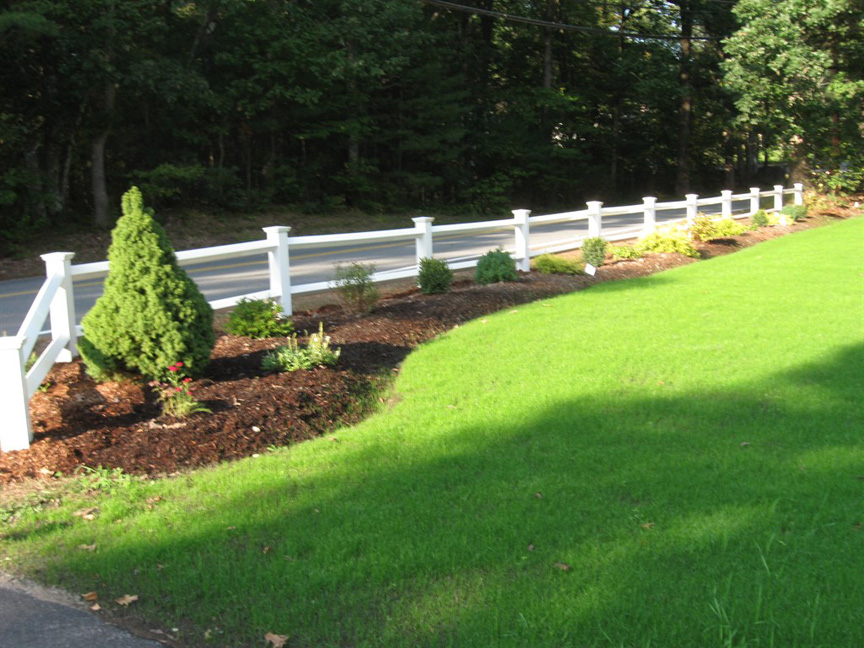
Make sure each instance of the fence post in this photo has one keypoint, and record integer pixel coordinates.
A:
(649, 211)
(63, 304)
(692, 207)
(799, 193)
(279, 266)
(15, 431)
(423, 242)
(522, 232)
(754, 200)
(595, 218)
(726, 204)
(778, 197)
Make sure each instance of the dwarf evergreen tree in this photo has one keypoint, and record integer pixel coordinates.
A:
(151, 314)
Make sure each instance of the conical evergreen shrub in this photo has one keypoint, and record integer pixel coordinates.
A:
(151, 314)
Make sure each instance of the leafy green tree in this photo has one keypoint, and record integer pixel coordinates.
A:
(151, 314)
(797, 70)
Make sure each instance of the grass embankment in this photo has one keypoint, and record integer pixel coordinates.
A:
(671, 461)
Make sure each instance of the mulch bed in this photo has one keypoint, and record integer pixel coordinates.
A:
(78, 422)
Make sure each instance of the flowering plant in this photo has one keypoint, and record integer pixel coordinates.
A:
(175, 394)
(293, 357)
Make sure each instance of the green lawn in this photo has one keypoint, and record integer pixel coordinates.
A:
(689, 446)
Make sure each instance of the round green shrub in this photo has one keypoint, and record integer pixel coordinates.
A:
(795, 212)
(434, 277)
(151, 314)
(594, 251)
(759, 218)
(259, 318)
(494, 266)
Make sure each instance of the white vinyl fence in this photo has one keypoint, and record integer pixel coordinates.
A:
(19, 379)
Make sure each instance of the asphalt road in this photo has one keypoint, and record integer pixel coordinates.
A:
(239, 276)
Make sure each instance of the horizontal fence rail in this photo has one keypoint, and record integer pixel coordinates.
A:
(20, 377)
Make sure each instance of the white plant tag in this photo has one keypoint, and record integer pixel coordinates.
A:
(590, 269)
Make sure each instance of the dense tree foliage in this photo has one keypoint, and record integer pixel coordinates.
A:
(382, 104)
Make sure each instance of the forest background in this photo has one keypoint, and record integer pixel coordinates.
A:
(237, 105)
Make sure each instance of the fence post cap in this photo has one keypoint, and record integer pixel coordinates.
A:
(691, 196)
(594, 204)
(649, 199)
(755, 190)
(277, 229)
(57, 256)
(423, 219)
(12, 342)
(521, 213)
(725, 192)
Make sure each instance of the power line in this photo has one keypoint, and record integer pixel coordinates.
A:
(561, 26)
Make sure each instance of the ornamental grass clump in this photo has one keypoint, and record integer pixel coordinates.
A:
(293, 357)
(258, 319)
(151, 314)
(494, 266)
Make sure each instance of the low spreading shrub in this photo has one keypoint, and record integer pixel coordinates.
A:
(594, 251)
(666, 242)
(553, 264)
(259, 318)
(624, 252)
(494, 266)
(356, 288)
(434, 277)
(705, 228)
(759, 219)
(293, 357)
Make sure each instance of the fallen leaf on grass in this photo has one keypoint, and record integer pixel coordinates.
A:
(90, 596)
(95, 607)
(266, 549)
(87, 513)
(530, 547)
(647, 525)
(744, 444)
(277, 640)
(562, 566)
(86, 547)
(538, 495)
(126, 599)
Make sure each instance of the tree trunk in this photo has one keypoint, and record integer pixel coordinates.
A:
(101, 213)
(685, 110)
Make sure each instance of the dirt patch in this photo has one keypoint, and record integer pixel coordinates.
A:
(78, 422)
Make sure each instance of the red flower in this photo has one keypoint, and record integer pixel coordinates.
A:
(187, 379)
(178, 365)
(172, 368)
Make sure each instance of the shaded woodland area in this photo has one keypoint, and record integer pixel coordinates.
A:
(410, 104)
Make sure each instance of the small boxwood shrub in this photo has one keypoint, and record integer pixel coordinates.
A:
(434, 277)
(666, 242)
(356, 288)
(759, 218)
(728, 227)
(494, 266)
(795, 212)
(594, 251)
(151, 315)
(553, 264)
(259, 318)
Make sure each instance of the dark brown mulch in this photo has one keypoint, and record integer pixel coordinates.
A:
(78, 422)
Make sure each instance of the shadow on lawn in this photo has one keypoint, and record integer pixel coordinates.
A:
(666, 520)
